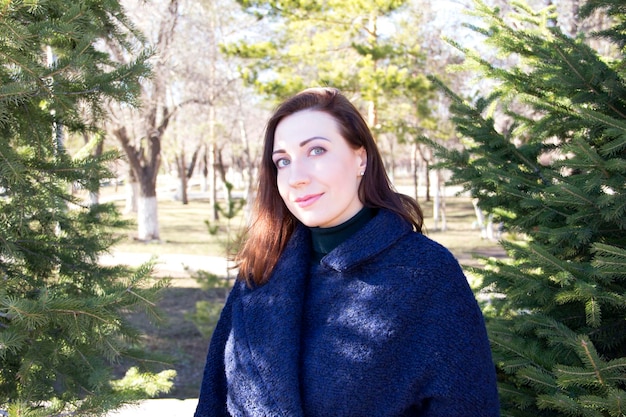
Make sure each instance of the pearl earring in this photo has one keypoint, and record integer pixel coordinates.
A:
(362, 173)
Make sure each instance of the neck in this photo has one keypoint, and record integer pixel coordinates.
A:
(324, 240)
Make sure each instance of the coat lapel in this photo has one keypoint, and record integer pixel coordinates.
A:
(271, 317)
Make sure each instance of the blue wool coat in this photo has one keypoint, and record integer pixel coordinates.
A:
(386, 325)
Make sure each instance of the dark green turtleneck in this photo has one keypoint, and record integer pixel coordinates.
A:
(325, 239)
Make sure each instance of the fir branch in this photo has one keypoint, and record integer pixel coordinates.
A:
(610, 260)
(550, 259)
(591, 359)
(576, 193)
(130, 291)
(78, 313)
(593, 312)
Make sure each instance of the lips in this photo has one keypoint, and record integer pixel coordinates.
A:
(307, 200)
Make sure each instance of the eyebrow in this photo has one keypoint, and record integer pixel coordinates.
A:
(304, 142)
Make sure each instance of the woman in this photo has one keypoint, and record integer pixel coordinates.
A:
(342, 307)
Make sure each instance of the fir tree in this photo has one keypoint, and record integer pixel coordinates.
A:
(62, 315)
(556, 177)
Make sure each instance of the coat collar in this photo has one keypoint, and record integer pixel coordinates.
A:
(380, 233)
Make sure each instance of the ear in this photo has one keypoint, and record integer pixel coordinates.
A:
(362, 159)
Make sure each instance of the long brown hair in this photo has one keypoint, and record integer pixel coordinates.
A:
(273, 224)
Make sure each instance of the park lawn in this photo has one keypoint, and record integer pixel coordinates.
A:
(183, 230)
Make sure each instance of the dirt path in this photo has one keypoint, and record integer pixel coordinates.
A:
(173, 265)
(166, 407)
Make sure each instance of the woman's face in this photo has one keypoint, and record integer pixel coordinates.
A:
(318, 172)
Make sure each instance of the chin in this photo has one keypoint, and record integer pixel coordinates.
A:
(310, 222)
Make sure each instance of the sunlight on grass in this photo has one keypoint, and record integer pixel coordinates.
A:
(183, 230)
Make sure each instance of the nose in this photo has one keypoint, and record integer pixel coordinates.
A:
(298, 174)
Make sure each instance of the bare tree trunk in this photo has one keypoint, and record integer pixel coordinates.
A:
(213, 179)
(392, 160)
(427, 171)
(221, 168)
(414, 168)
(205, 169)
(427, 178)
(145, 165)
(147, 214)
(440, 202)
(436, 207)
(132, 191)
(249, 163)
(144, 156)
(485, 224)
(147, 211)
(185, 173)
(212, 147)
(148, 222)
(444, 218)
(181, 192)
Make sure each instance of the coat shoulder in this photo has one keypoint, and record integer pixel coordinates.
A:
(415, 250)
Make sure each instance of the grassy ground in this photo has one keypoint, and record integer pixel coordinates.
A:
(183, 231)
